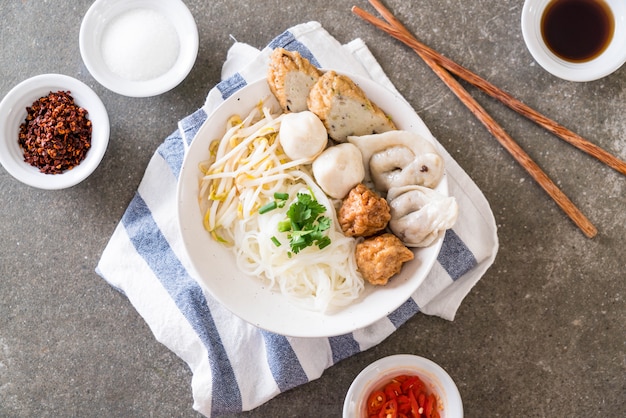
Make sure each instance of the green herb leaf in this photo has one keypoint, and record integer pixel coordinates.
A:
(305, 223)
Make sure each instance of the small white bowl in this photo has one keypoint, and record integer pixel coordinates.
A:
(613, 57)
(13, 114)
(380, 372)
(103, 12)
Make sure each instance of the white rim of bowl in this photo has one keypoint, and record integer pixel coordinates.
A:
(89, 45)
(13, 107)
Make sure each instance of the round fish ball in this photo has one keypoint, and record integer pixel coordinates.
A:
(302, 135)
(338, 169)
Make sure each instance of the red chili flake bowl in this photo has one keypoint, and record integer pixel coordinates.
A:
(13, 113)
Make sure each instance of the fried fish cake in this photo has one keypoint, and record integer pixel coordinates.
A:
(363, 212)
(290, 77)
(381, 257)
(345, 109)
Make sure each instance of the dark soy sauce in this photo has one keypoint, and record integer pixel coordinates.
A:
(577, 30)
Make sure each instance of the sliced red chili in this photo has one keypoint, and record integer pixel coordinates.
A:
(404, 405)
(414, 406)
(428, 406)
(401, 378)
(393, 389)
(375, 402)
(421, 399)
(412, 383)
(390, 409)
(404, 396)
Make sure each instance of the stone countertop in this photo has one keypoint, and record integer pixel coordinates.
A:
(542, 334)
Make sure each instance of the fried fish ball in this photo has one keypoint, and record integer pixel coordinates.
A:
(363, 212)
(381, 257)
(290, 77)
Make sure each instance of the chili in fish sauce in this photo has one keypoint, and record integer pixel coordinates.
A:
(404, 396)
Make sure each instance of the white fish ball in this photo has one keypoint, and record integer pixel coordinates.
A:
(302, 135)
(338, 169)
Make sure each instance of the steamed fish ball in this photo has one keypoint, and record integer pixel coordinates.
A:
(399, 158)
(338, 169)
(302, 135)
(420, 215)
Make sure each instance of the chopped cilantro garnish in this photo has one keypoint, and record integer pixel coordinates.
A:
(306, 224)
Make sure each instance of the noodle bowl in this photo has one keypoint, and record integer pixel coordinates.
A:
(253, 299)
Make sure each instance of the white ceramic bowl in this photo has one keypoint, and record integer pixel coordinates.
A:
(249, 297)
(377, 374)
(103, 12)
(613, 57)
(13, 113)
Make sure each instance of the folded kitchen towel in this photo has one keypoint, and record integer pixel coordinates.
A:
(236, 366)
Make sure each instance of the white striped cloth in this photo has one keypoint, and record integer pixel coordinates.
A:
(236, 366)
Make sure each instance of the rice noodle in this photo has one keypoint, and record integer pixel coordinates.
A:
(247, 166)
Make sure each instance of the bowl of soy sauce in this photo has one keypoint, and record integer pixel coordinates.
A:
(576, 40)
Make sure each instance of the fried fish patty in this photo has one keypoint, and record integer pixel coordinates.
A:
(290, 77)
(345, 109)
(380, 257)
(363, 212)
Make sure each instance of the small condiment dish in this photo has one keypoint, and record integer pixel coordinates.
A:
(609, 60)
(95, 36)
(13, 114)
(377, 374)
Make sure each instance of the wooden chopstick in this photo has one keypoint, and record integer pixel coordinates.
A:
(494, 91)
(398, 31)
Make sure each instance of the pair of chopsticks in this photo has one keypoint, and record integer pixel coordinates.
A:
(443, 67)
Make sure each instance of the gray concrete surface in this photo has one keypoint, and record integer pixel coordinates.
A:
(543, 333)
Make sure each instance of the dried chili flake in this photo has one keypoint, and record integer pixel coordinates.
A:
(56, 133)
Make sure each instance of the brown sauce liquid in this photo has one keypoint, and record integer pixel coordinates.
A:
(577, 30)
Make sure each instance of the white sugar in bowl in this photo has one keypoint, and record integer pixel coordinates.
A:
(139, 48)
